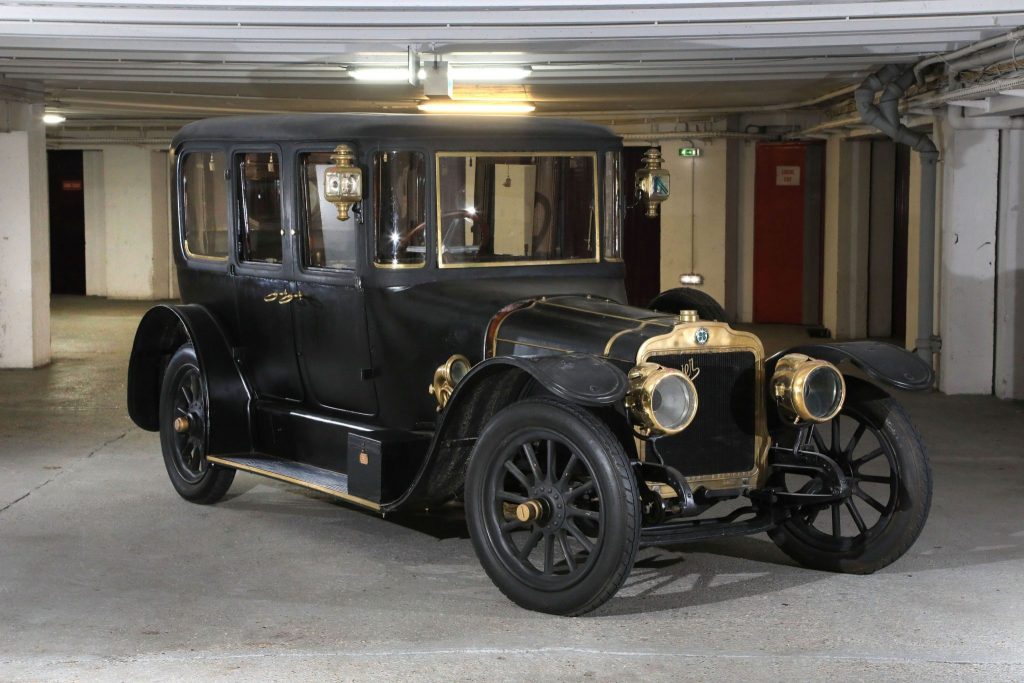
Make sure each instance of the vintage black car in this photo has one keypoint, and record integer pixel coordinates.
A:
(403, 311)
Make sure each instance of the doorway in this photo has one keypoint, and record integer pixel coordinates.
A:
(788, 219)
(641, 241)
(67, 222)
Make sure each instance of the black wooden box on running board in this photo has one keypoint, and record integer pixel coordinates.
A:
(368, 475)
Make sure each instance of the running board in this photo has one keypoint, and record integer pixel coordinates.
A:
(310, 477)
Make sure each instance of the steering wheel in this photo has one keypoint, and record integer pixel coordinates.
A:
(478, 223)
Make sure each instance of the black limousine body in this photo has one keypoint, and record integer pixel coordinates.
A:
(403, 311)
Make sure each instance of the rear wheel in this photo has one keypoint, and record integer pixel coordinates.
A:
(552, 507)
(885, 464)
(184, 423)
(683, 298)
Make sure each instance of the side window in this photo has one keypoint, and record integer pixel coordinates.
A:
(204, 188)
(400, 208)
(259, 207)
(330, 242)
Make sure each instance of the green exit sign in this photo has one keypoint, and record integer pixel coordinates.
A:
(689, 151)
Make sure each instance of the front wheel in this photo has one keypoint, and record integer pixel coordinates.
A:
(886, 467)
(552, 507)
(184, 425)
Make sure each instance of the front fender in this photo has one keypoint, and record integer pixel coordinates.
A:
(487, 388)
(161, 331)
(884, 362)
(575, 377)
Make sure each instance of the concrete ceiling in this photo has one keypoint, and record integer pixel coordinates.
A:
(170, 60)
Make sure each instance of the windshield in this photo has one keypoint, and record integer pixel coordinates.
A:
(517, 208)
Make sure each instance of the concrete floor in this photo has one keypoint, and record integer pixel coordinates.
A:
(105, 573)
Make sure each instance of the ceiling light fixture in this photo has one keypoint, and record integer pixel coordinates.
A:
(468, 107)
(381, 74)
(52, 118)
(489, 74)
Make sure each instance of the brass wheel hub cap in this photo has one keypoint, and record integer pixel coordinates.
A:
(530, 511)
(181, 425)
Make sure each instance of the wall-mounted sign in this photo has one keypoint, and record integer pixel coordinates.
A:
(787, 175)
(689, 151)
(71, 185)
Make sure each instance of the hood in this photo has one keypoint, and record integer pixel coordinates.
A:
(562, 324)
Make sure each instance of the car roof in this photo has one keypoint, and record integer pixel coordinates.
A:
(307, 127)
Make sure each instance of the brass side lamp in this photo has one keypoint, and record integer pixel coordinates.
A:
(343, 182)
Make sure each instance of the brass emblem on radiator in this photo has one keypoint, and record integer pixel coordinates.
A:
(701, 336)
(690, 369)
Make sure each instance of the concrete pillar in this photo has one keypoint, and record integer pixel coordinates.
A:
(845, 252)
(1009, 352)
(745, 172)
(95, 223)
(970, 182)
(24, 238)
(135, 212)
(708, 201)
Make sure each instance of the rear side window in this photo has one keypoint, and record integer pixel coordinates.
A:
(259, 207)
(204, 187)
(400, 208)
(330, 242)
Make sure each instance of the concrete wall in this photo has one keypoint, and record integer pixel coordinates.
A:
(845, 250)
(708, 201)
(1009, 350)
(967, 299)
(95, 223)
(24, 238)
(136, 234)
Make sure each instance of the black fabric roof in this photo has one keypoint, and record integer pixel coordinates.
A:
(394, 126)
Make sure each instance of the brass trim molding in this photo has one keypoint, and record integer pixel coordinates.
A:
(298, 482)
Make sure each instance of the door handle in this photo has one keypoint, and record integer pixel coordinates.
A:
(287, 298)
(283, 297)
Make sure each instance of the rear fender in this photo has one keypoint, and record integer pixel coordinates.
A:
(883, 362)
(161, 331)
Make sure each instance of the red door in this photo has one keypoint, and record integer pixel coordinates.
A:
(787, 187)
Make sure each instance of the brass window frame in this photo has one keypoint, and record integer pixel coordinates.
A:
(518, 153)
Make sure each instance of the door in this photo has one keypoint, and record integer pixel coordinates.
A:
(330, 319)
(787, 233)
(263, 276)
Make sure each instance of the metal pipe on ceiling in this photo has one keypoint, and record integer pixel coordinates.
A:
(964, 52)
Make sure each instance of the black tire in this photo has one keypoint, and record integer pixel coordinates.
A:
(183, 395)
(596, 533)
(683, 298)
(882, 532)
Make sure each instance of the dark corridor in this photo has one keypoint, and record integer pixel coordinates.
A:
(67, 222)
(641, 240)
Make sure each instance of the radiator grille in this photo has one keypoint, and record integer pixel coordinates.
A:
(721, 438)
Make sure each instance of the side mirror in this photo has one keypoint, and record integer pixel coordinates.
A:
(343, 182)
(652, 181)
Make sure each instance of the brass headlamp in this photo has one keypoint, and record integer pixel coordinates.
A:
(662, 400)
(343, 182)
(807, 389)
